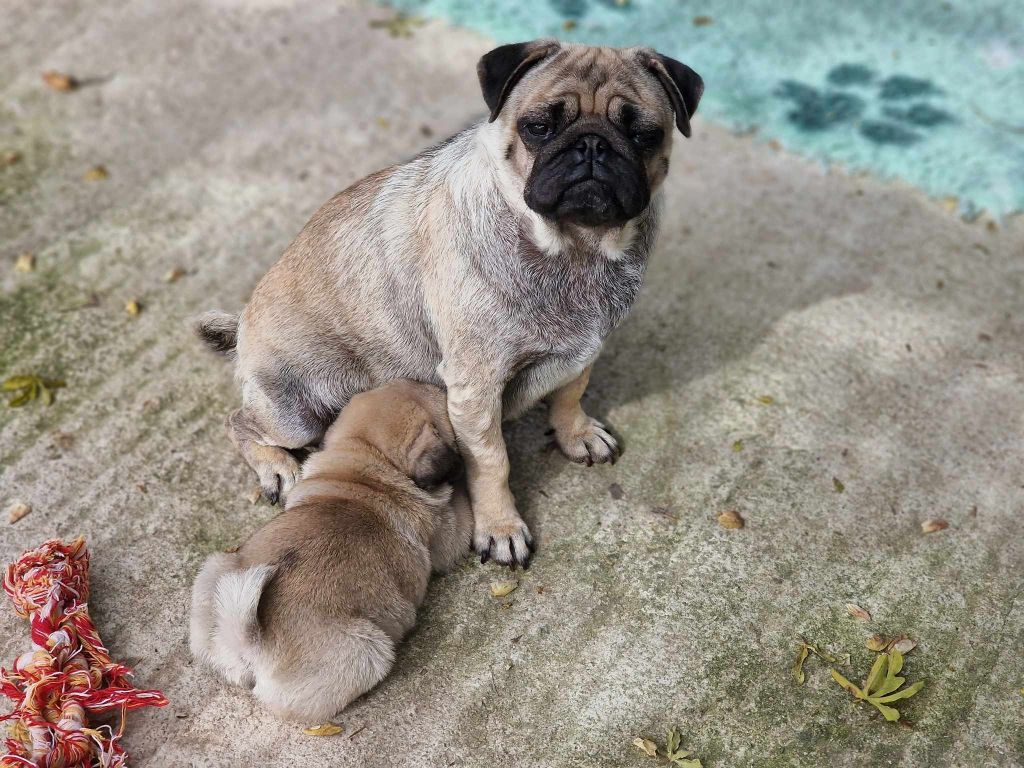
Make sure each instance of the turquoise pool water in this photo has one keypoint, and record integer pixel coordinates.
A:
(925, 91)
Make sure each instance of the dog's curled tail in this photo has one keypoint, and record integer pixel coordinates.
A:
(218, 330)
(225, 629)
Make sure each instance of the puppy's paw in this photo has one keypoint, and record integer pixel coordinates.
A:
(277, 470)
(505, 538)
(587, 442)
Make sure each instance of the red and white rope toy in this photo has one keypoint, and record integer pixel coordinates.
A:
(68, 672)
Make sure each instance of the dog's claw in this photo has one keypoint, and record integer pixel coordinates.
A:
(588, 443)
(513, 550)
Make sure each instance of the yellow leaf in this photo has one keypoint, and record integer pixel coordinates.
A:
(502, 588)
(96, 173)
(646, 746)
(731, 519)
(26, 262)
(765, 399)
(737, 446)
(133, 307)
(327, 729)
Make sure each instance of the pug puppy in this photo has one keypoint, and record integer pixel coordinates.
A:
(309, 610)
(494, 264)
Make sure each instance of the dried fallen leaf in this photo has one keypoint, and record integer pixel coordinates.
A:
(765, 399)
(737, 446)
(16, 511)
(857, 612)
(255, 495)
(59, 81)
(882, 686)
(646, 746)
(837, 484)
(132, 307)
(502, 588)
(327, 729)
(96, 173)
(798, 665)
(731, 519)
(615, 491)
(569, 24)
(876, 643)
(26, 262)
(11, 157)
(702, 21)
(801, 657)
(64, 440)
(932, 526)
(174, 274)
(904, 644)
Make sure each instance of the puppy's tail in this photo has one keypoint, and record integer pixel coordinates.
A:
(225, 630)
(218, 330)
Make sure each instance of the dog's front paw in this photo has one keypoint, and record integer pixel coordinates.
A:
(277, 470)
(587, 442)
(503, 537)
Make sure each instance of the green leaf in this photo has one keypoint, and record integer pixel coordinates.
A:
(18, 382)
(882, 686)
(20, 400)
(877, 674)
(906, 693)
(889, 713)
(895, 662)
(672, 741)
(30, 387)
(847, 685)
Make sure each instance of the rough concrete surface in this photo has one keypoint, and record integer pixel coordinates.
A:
(886, 331)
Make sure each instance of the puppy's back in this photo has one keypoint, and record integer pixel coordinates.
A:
(308, 612)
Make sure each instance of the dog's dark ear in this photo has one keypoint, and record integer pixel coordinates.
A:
(683, 85)
(432, 461)
(502, 68)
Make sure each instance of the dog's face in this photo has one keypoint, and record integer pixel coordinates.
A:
(587, 130)
(408, 423)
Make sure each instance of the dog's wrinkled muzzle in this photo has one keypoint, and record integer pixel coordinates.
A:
(590, 176)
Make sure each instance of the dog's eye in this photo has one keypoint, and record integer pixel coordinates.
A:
(647, 139)
(538, 129)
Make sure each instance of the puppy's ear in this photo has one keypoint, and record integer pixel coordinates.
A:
(432, 461)
(502, 68)
(683, 85)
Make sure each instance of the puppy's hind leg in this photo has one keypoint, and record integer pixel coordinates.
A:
(338, 663)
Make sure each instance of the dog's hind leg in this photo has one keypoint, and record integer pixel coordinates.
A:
(265, 449)
(339, 663)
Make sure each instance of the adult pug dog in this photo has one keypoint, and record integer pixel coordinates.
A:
(493, 264)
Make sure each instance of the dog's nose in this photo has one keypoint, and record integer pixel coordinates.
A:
(591, 147)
